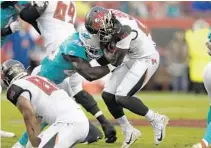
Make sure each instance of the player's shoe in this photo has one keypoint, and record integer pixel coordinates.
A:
(201, 144)
(7, 134)
(17, 145)
(159, 125)
(110, 133)
(131, 136)
(94, 135)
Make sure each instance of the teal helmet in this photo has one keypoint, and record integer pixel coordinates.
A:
(91, 43)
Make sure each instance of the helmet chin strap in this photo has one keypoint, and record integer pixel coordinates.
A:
(19, 76)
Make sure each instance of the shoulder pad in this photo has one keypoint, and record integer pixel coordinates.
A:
(14, 92)
(74, 48)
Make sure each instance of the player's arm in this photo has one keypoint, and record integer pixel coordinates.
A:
(21, 98)
(31, 122)
(13, 27)
(30, 13)
(118, 49)
(117, 57)
(85, 69)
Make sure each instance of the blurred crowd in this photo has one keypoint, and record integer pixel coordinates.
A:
(153, 9)
(183, 57)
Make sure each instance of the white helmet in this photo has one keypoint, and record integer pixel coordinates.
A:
(92, 44)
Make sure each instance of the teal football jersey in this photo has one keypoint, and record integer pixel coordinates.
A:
(55, 67)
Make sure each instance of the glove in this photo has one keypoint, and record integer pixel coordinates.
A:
(15, 26)
(39, 3)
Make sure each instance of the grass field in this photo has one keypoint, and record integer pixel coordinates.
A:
(177, 106)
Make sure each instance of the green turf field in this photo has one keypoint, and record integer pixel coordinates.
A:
(176, 106)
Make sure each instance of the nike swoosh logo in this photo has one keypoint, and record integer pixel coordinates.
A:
(161, 136)
(131, 136)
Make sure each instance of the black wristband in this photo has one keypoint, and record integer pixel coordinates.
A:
(6, 31)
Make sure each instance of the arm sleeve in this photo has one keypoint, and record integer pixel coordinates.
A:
(29, 14)
(14, 91)
(103, 61)
(6, 31)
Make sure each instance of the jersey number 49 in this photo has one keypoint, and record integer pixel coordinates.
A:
(63, 10)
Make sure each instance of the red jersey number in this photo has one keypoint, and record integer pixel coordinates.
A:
(62, 9)
(43, 84)
(124, 15)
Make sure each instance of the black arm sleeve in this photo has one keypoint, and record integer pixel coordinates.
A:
(14, 92)
(103, 61)
(6, 31)
(29, 14)
(85, 69)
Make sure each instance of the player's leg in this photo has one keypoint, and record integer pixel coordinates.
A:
(115, 109)
(66, 138)
(87, 101)
(206, 140)
(137, 77)
(64, 135)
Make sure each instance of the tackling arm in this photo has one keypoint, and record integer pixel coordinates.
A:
(85, 69)
(31, 122)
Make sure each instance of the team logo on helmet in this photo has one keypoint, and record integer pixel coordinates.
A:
(98, 20)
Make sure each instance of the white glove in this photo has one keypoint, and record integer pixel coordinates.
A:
(38, 3)
(15, 26)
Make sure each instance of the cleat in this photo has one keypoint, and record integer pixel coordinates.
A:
(130, 137)
(7, 134)
(159, 125)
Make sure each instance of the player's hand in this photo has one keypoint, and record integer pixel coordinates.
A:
(15, 26)
(39, 3)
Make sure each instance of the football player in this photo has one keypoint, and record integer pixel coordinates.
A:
(206, 140)
(58, 66)
(41, 100)
(126, 44)
(54, 20)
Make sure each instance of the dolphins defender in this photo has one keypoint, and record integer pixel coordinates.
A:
(206, 140)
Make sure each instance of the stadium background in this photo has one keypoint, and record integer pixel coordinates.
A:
(180, 31)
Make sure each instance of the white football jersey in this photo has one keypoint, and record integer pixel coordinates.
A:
(139, 41)
(50, 103)
(57, 23)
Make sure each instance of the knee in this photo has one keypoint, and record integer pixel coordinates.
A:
(109, 99)
(85, 99)
(120, 99)
(107, 96)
